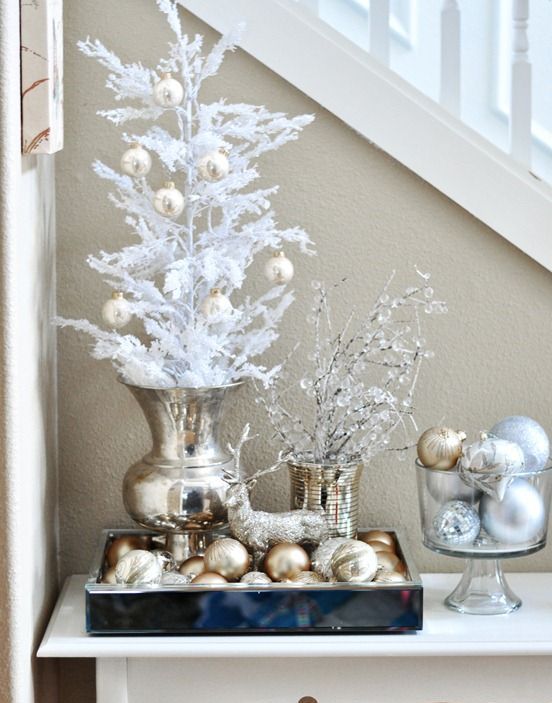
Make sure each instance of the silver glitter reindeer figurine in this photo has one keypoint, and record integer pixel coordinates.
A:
(260, 530)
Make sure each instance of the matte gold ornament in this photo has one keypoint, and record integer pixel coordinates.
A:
(168, 92)
(192, 566)
(401, 569)
(440, 447)
(378, 536)
(307, 577)
(139, 567)
(279, 269)
(136, 161)
(116, 311)
(120, 546)
(216, 303)
(285, 561)
(227, 557)
(354, 563)
(389, 577)
(109, 576)
(380, 547)
(387, 561)
(256, 577)
(214, 166)
(168, 201)
(209, 577)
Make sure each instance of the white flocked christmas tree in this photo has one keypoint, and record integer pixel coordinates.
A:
(197, 231)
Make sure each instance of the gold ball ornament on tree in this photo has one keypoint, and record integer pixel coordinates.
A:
(209, 578)
(214, 166)
(136, 161)
(227, 557)
(116, 311)
(279, 269)
(354, 563)
(192, 566)
(120, 546)
(168, 201)
(215, 304)
(285, 561)
(440, 447)
(168, 92)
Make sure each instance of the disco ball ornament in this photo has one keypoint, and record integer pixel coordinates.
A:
(529, 435)
(489, 463)
(444, 486)
(518, 518)
(456, 523)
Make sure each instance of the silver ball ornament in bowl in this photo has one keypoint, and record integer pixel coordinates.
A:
(444, 486)
(519, 518)
(489, 464)
(456, 523)
(529, 435)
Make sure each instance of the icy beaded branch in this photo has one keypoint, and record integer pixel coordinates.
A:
(196, 234)
(360, 384)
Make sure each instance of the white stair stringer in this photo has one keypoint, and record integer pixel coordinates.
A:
(388, 111)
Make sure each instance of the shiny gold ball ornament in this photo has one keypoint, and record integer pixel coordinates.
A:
(116, 311)
(136, 161)
(215, 304)
(120, 546)
(256, 578)
(279, 269)
(307, 577)
(214, 166)
(209, 578)
(378, 536)
(389, 577)
(168, 92)
(387, 561)
(285, 561)
(354, 563)
(440, 447)
(381, 547)
(192, 566)
(168, 200)
(227, 557)
(109, 576)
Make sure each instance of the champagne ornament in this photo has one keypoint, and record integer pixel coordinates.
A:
(169, 201)
(256, 577)
(279, 269)
(139, 567)
(285, 561)
(227, 557)
(440, 447)
(215, 304)
(354, 562)
(116, 311)
(168, 92)
(136, 161)
(214, 166)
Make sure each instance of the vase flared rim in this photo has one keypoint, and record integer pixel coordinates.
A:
(189, 389)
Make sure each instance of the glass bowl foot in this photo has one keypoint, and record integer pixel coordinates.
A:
(483, 590)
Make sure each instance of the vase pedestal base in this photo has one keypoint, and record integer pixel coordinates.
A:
(483, 590)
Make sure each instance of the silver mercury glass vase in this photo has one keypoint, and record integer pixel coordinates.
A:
(331, 487)
(178, 487)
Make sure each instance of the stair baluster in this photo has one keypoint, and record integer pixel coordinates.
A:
(449, 94)
(379, 30)
(520, 98)
(311, 6)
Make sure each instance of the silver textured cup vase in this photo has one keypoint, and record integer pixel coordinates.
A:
(178, 487)
(333, 488)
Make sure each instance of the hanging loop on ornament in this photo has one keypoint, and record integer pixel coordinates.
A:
(279, 269)
(168, 92)
(168, 201)
(116, 311)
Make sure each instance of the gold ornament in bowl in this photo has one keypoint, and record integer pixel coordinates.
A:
(307, 577)
(387, 561)
(192, 566)
(109, 576)
(440, 447)
(227, 557)
(285, 561)
(209, 578)
(389, 577)
(256, 578)
(120, 546)
(381, 547)
(378, 536)
(354, 563)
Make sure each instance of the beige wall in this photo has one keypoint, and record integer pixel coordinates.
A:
(367, 214)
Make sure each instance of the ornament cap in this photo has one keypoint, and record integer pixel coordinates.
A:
(134, 145)
(214, 291)
(166, 75)
(169, 184)
(117, 295)
(278, 254)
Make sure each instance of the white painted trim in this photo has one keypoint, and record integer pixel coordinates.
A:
(112, 680)
(398, 118)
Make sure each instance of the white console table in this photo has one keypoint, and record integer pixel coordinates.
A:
(457, 658)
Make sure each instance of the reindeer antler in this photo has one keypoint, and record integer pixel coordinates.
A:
(236, 453)
(282, 458)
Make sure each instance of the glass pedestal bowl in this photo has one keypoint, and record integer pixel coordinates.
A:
(460, 520)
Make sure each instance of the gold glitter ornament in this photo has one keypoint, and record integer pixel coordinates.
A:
(227, 557)
(354, 563)
(440, 447)
(285, 561)
(192, 566)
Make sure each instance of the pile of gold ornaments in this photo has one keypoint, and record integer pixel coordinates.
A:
(131, 560)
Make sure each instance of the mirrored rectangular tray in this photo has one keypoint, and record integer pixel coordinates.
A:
(286, 608)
